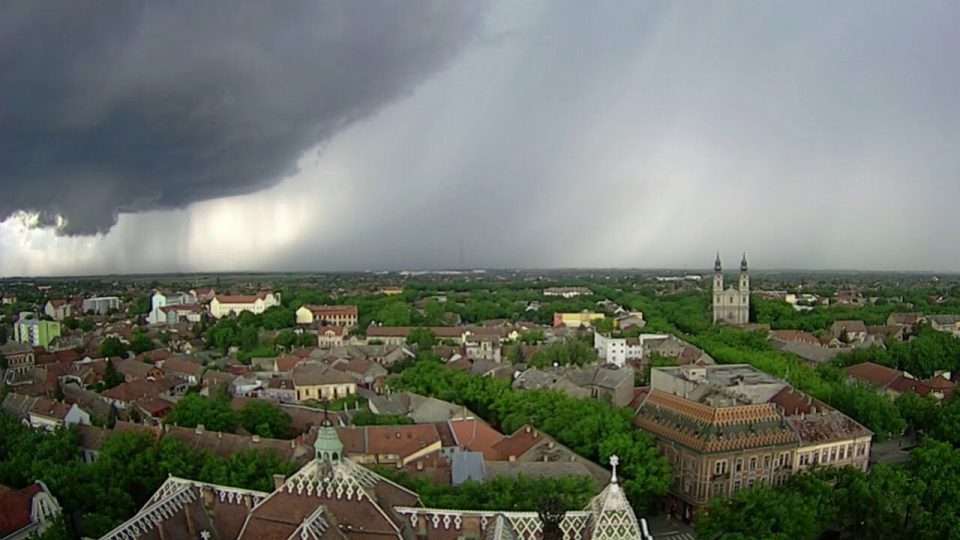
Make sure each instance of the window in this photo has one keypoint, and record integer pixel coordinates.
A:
(750, 483)
(739, 465)
(824, 456)
(736, 486)
(720, 467)
(753, 464)
(833, 454)
(766, 462)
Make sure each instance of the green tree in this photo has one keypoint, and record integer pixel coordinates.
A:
(193, 410)
(141, 343)
(423, 338)
(111, 347)
(86, 325)
(265, 419)
(111, 377)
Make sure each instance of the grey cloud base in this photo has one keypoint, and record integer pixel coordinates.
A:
(149, 105)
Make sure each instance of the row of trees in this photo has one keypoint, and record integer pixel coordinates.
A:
(130, 467)
(591, 428)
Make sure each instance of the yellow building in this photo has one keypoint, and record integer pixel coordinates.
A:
(576, 320)
(311, 382)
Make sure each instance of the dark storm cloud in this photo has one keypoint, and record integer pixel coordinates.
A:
(112, 107)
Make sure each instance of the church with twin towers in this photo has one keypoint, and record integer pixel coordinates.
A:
(731, 305)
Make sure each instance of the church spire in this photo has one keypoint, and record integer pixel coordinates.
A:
(717, 267)
(743, 262)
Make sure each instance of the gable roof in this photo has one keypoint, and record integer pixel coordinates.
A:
(873, 373)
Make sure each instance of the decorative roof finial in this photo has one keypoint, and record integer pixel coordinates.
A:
(614, 461)
(716, 265)
(743, 262)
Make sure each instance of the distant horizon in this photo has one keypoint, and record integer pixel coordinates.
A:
(477, 271)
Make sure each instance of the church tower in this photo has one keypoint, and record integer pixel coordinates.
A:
(731, 305)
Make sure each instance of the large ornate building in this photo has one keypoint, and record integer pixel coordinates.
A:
(332, 497)
(731, 305)
(729, 427)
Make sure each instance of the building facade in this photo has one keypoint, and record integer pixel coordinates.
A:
(724, 428)
(223, 305)
(100, 305)
(32, 331)
(731, 305)
(345, 316)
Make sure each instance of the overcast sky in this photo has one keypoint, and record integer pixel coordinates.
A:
(335, 136)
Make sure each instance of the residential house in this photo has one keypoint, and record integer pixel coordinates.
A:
(724, 428)
(849, 331)
(280, 390)
(894, 383)
(628, 320)
(133, 370)
(346, 500)
(32, 331)
(182, 367)
(421, 409)
(583, 319)
(101, 305)
(617, 350)
(127, 394)
(49, 414)
(394, 446)
(483, 347)
(58, 310)
(223, 305)
(18, 406)
(613, 385)
(319, 382)
(365, 372)
(345, 316)
(391, 291)
(945, 323)
(27, 512)
(330, 336)
(8, 299)
(905, 319)
(203, 294)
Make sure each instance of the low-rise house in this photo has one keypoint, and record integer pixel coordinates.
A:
(389, 445)
(18, 406)
(173, 315)
(894, 383)
(613, 385)
(318, 382)
(945, 323)
(483, 347)
(246, 385)
(849, 331)
(203, 294)
(28, 512)
(91, 440)
(798, 336)
(331, 336)
(363, 371)
(280, 390)
(630, 319)
(223, 305)
(163, 299)
(8, 299)
(583, 319)
(58, 310)
(182, 367)
(345, 316)
(905, 319)
(421, 409)
(227, 444)
(127, 394)
(133, 370)
(100, 305)
(49, 414)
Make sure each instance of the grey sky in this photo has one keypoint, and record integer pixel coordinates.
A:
(817, 135)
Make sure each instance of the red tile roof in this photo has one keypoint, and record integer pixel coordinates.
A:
(476, 436)
(873, 373)
(333, 310)
(16, 505)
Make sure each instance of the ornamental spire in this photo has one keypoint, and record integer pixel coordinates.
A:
(716, 265)
(614, 461)
(743, 262)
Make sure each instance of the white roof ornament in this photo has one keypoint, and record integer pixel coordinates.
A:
(614, 461)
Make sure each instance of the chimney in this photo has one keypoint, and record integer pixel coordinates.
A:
(199, 430)
(219, 434)
(248, 501)
(420, 465)
(256, 438)
(278, 481)
(526, 429)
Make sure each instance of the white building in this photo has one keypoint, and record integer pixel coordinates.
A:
(223, 305)
(100, 305)
(618, 350)
(50, 415)
(161, 300)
